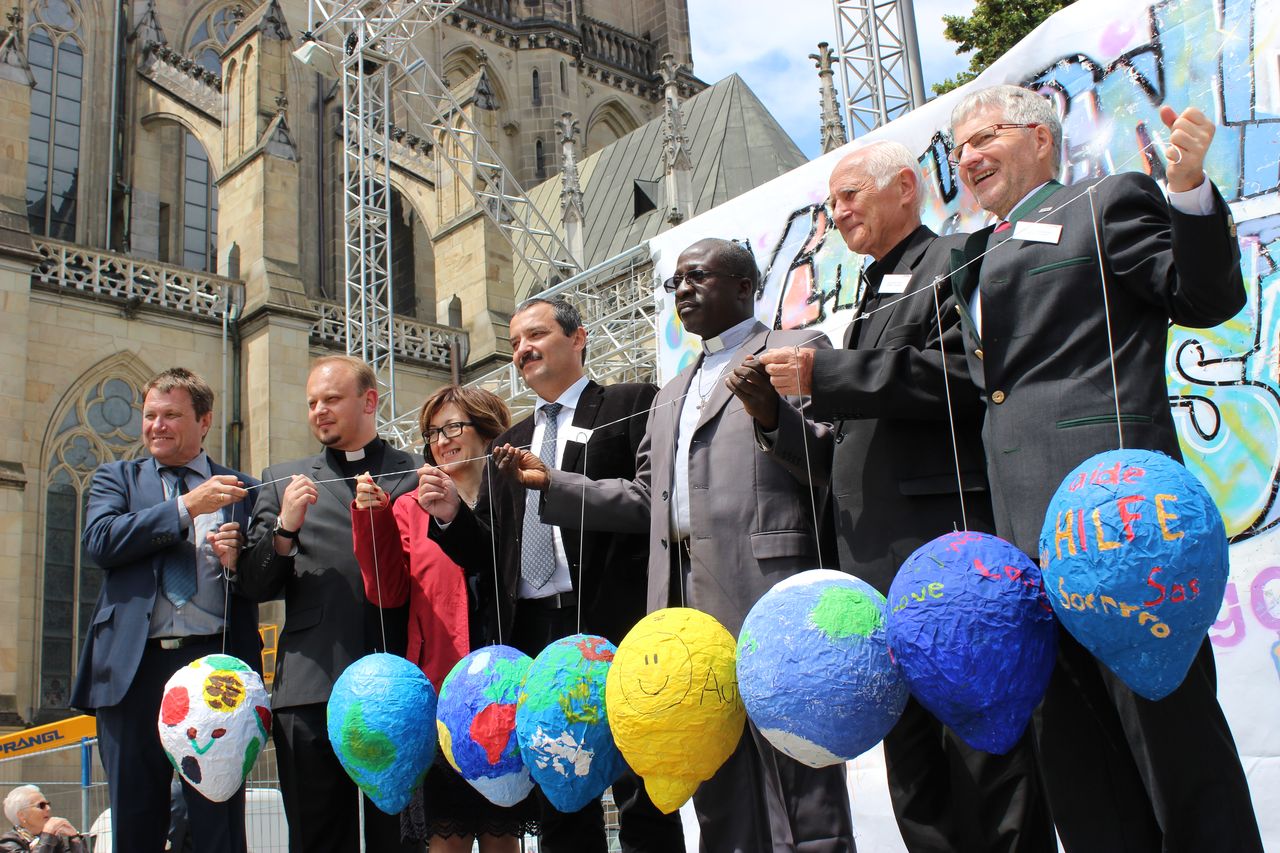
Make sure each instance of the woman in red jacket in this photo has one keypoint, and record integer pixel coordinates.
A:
(400, 563)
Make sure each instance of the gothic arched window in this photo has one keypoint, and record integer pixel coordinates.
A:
(199, 208)
(539, 159)
(56, 57)
(213, 29)
(537, 89)
(103, 424)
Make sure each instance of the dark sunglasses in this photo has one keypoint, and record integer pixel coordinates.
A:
(694, 277)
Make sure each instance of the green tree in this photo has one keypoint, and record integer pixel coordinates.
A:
(993, 28)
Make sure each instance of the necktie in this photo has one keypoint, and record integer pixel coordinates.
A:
(178, 577)
(1004, 225)
(537, 556)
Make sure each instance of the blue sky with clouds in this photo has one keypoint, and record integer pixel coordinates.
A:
(768, 42)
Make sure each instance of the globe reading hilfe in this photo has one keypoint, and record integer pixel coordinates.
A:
(1135, 561)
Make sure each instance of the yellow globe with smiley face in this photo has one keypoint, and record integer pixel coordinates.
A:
(673, 703)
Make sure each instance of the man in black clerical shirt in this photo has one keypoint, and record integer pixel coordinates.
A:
(300, 547)
(902, 457)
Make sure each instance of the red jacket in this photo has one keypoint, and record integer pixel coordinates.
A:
(411, 567)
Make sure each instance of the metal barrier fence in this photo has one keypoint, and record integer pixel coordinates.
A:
(72, 780)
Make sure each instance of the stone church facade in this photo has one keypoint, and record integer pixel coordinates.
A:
(170, 194)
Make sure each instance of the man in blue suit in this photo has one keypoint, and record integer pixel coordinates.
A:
(162, 528)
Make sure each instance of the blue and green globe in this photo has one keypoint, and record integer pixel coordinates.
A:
(562, 723)
(814, 668)
(476, 721)
(379, 722)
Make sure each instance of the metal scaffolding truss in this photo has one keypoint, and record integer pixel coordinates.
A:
(371, 47)
(366, 218)
(620, 313)
(879, 61)
(429, 109)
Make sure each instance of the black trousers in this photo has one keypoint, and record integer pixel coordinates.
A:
(642, 828)
(761, 801)
(139, 775)
(319, 798)
(951, 798)
(1128, 775)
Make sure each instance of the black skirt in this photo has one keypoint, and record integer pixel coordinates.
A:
(447, 806)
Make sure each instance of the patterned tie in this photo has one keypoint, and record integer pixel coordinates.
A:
(538, 556)
(178, 577)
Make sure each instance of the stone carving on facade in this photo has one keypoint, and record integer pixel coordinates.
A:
(13, 61)
(572, 211)
(677, 163)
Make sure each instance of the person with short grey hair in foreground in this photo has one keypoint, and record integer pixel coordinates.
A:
(35, 827)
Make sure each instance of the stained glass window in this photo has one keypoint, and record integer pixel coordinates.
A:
(105, 424)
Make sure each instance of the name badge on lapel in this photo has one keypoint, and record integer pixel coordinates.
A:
(1037, 232)
(579, 434)
(894, 283)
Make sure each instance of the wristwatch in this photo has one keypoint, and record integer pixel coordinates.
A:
(285, 534)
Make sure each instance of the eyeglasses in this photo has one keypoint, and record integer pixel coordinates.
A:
(453, 430)
(980, 140)
(694, 277)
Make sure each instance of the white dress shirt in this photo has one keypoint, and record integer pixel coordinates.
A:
(561, 581)
(717, 354)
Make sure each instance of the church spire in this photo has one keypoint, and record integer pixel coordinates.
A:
(148, 32)
(572, 212)
(833, 135)
(677, 165)
(13, 62)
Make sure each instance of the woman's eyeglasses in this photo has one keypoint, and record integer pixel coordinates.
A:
(453, 430)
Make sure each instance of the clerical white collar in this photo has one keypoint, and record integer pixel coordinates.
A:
(730, 338)
(360, 452)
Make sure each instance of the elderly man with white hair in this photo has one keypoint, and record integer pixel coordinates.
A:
(897, 480)
(34, 828)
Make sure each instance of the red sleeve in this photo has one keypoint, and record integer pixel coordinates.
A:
(439, 614)
(390, 571)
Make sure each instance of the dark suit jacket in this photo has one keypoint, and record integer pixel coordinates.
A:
(328, 625)
(612, 567)
(751, 512)
(893, 480)
(130, 531)
(1045, 364)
